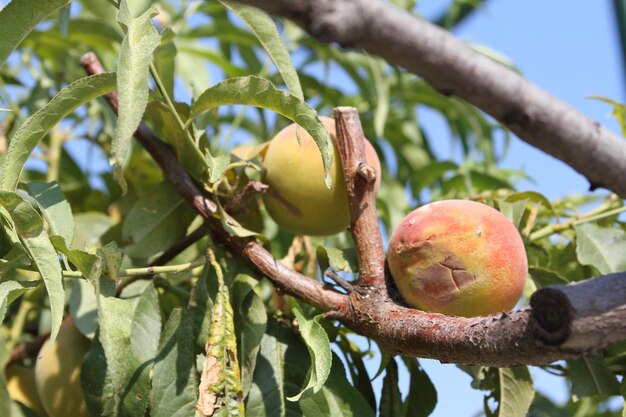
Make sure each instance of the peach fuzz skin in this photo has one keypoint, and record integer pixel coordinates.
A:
(459, 258)
(297, 198)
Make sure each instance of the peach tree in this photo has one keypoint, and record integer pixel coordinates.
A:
(145, 268)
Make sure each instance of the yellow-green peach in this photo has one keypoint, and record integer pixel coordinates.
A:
(297, 198)
(57, 373)
(459, 258)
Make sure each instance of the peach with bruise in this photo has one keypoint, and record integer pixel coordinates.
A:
(459, 258)
(297, 198)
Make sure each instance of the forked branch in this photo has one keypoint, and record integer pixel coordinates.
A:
(563, 322)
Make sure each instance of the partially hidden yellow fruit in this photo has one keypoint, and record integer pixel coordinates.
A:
(21, 386)
(459, 258)
(297, 198)
(57, 373)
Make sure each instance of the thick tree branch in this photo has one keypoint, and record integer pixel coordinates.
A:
(564, 321)
(453, 68)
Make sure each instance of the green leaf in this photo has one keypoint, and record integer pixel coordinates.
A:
(619, 111)
(83, 307)
(217, 166)
(533, 196)
(425, 176)
(255, 91)
(336, 259)
(37, 125)
(19, 18)
(390, 399)
(95, 380)
(55, 208)
(381, 82)
(232, 226)
(174, 380)
(29, 227)
(250, 324)
(186, 149)
(544, 276)
(133, 66)
(591, 377)
(422, 397)
(281, 369)
(5, 355)
(129, 333)
(337, 397)
(515, 391)
(316, 340)
(513, 211)
(358, 371)
(601, 247)
(165, 61)
(10, 291)
(266, 32)
(156, 221)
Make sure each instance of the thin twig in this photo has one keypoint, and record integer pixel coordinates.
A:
(166, 256)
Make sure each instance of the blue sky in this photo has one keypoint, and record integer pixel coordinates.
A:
(571, 49)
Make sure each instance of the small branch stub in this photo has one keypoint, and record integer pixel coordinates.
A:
(360, 178)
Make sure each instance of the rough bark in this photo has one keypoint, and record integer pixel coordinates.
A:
(562, 322)
(453, 68)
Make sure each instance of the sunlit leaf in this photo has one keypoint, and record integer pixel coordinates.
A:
(266, 32)
(35, 240)
(139, 43)
(38, 124)
(10, 291)
(316, 340)
(255, 91)
(601, 247)
(55, 208)
(19, 17)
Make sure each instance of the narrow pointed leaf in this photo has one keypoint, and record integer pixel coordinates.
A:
(35, 240)
(19, 18)
(266, 32)
(55, 208)
(250, 324)
(391, 400)
(422, 397)
(591, 377)
(174, 380)
(255, 91)
(516, 392)
(10, 291)
(316, 340)
(129, 333)
(139, 43)
(36, 126)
